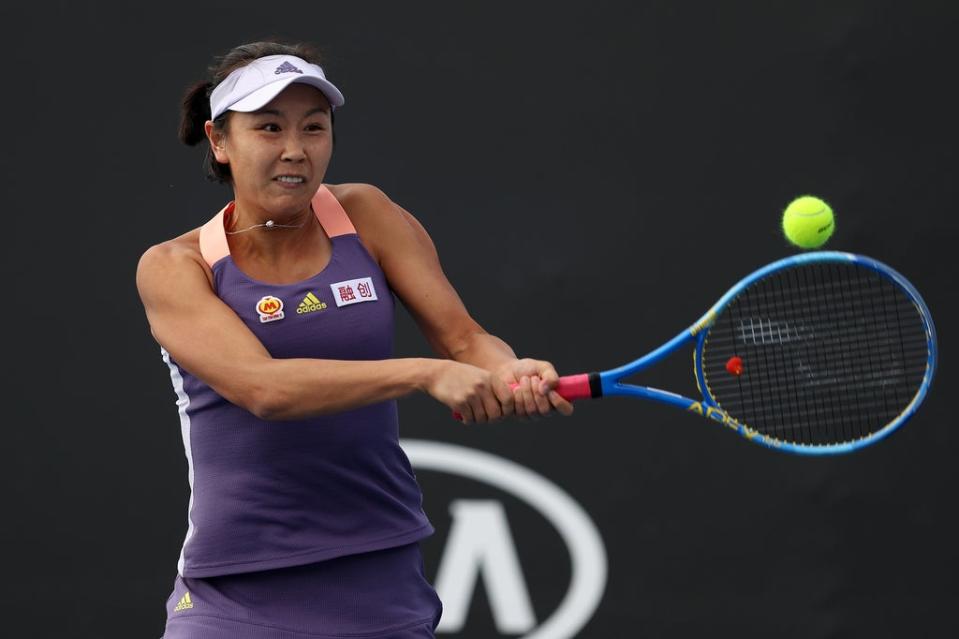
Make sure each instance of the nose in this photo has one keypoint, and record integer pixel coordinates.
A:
(293, 149)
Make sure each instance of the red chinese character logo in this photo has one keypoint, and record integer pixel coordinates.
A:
(346, 293)
(364, 289)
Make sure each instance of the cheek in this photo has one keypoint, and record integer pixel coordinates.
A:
(251, 157)
(321, 150)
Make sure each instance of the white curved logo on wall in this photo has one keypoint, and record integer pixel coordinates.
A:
(479, 539)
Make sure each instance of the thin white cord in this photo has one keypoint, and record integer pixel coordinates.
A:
(270, 224)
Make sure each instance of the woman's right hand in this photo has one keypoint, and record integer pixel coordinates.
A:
(472, 392)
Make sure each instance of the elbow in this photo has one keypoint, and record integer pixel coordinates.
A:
(267, 411)
(265, 401)
(269, 405)
(256, 387)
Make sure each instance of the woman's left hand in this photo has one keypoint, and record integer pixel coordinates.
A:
(535, 394)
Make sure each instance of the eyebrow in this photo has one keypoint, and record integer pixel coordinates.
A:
(279, 113)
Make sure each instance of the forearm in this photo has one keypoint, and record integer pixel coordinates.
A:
(483, 350)
(303, 388)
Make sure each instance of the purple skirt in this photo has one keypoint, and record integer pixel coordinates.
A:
(377, 594)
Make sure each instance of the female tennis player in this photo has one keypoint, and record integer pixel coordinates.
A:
(275, 318)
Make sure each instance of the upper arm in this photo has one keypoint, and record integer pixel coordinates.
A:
(409, 260)
(196, 327)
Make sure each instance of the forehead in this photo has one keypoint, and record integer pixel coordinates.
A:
(298, 98)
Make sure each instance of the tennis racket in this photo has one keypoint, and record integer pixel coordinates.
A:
(819, 353)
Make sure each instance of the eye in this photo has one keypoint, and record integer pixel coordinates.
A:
(315, 126)
(270, 127)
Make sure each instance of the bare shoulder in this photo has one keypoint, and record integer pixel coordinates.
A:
(377, 218)
(167, 259)
(364, 203)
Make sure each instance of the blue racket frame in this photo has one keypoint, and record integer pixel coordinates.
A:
(708, 407)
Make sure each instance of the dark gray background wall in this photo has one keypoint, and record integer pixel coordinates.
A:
(594, 176)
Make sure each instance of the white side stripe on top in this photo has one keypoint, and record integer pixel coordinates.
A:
(182, 402)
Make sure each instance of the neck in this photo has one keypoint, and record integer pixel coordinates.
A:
(271, 236)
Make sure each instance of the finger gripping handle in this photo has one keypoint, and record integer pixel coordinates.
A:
(570, 388)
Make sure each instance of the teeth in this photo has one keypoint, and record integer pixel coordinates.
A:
(291, 179)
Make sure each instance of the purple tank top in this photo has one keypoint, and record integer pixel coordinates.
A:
(274, 494)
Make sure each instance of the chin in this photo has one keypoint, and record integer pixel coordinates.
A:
(286, 205)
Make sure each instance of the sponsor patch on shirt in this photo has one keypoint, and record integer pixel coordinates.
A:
(353, 291)
(270, 309)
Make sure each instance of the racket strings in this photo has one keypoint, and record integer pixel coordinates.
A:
(830, 352)
(846, 320)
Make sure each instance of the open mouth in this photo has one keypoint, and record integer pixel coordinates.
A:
(290, 179)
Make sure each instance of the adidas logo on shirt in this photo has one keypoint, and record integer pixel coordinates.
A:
(185, 603)
(310, 303)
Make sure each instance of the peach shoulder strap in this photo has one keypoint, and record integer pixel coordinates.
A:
(329, 212)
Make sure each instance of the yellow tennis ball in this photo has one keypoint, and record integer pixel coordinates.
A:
(808, 222)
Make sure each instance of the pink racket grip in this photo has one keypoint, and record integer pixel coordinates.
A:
(570, 388)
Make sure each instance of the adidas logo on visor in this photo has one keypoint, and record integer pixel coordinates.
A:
(287, 67)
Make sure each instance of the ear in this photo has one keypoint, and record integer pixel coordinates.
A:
(217, 140)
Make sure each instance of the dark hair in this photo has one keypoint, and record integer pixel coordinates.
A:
(195, 109)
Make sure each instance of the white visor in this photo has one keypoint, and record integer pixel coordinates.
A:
(252, 87)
